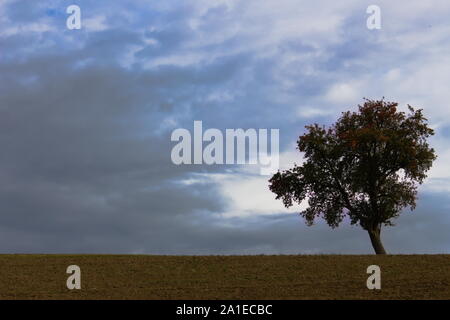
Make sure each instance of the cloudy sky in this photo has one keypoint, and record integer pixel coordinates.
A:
(86, 118)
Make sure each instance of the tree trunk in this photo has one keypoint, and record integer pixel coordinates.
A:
(376, 240)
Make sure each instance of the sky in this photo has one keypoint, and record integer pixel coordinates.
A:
(86, 118)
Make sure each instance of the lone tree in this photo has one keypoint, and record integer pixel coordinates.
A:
(366, 166)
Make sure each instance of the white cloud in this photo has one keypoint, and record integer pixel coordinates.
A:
(310, 112)
(247, 192)
(35, 27)
(343, 93)
(248, 195)
(96, 23)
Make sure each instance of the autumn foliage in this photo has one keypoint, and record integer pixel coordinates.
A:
(366, 166)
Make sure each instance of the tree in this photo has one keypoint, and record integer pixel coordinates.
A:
(366, 166)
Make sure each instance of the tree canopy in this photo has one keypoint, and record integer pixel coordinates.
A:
(366, 166)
